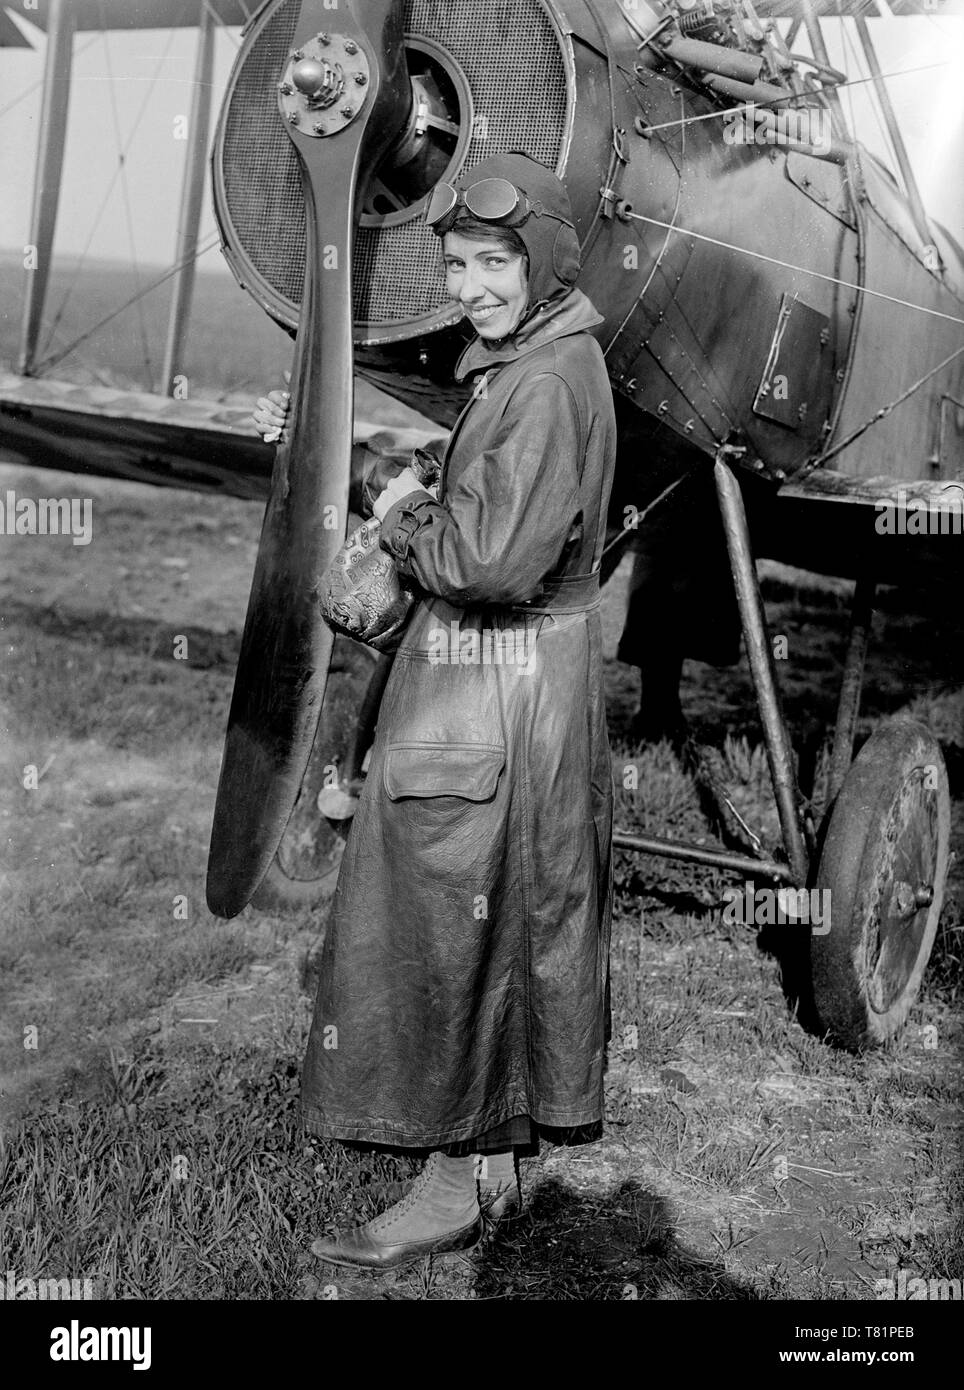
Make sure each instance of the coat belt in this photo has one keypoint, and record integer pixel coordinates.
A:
(574, 593)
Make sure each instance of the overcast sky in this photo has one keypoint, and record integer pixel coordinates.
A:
(138, 84)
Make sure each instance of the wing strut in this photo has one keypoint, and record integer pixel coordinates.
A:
(49, 168)
(811, 20)
(192, 196)
(893, 130)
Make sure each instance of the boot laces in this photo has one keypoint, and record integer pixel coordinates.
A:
(405, 1204)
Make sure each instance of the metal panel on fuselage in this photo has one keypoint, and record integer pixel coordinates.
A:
(897, 346)
(690, 323)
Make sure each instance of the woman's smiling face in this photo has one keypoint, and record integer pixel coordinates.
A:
(488, 281)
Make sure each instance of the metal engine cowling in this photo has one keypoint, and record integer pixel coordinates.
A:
(486, 77)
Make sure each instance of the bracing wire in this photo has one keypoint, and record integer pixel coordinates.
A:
(638, 516)
(849, 85)
(832, 279)
(128, 211)
(886, 409)
(58, 357)
(103, 206)
(672, 226)
(662, 250)
(801, 269)
(791, 96)
(727, 408)
(853, 193)
(36, 86)
(884, 133)
(221, 24)
(119, 172)
(943, 32)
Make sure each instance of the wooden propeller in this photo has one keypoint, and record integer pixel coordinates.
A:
(286, 646)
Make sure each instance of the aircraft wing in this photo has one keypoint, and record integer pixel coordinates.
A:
(132, 435)
(167, 14)
(199, 445)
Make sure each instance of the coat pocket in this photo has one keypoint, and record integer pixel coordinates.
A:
(467, 770)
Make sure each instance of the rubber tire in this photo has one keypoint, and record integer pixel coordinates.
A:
(853, 867)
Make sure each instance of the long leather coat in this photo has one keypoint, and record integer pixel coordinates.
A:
(464, 978)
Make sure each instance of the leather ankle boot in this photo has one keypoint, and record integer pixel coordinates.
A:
(439, 1213)
(500, 1195)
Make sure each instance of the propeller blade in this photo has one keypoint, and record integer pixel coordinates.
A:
(286, 646)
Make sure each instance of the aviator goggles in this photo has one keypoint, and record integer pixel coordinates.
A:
(490, 200)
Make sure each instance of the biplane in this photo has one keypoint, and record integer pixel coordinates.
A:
(784, 328)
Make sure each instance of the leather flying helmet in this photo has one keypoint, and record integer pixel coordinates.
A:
(542, 217)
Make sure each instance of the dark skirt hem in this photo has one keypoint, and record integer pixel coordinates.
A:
(522, 1135)
(493, 1135)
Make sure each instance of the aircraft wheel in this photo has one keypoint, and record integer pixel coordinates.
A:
(884, 864)
(305, 869)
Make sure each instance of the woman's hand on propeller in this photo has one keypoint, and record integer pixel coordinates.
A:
(271, 415)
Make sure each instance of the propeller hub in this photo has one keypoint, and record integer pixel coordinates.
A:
(317, 77)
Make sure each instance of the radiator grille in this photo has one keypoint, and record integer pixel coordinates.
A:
(513, 63)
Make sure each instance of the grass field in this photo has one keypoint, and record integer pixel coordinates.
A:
(150, 1054)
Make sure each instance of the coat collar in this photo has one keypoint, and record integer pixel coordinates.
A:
(572, 313)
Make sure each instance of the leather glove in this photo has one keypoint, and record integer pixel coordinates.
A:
(400, 486)
(385, 468)
(378, 474)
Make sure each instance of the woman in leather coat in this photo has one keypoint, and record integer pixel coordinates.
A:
(463, 1001)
